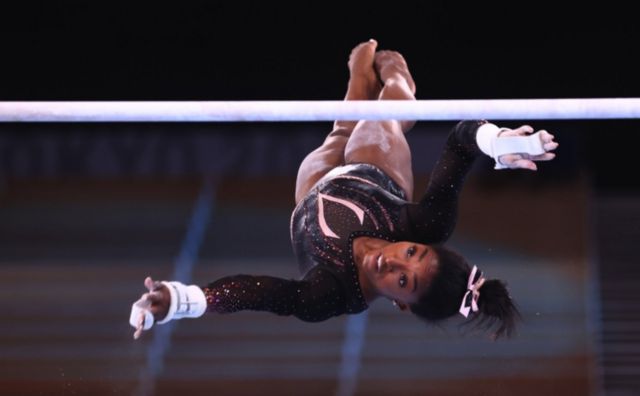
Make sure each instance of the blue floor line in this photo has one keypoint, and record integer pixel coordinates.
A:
(355, 329)
(183, 269)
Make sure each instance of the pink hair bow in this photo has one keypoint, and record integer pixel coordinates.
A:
(470, 299)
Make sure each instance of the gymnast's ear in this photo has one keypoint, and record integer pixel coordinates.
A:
(400, 305)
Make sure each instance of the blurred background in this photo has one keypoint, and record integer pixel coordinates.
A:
(88, 210)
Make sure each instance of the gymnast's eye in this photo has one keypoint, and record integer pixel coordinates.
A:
(411, 251)
(403, 280)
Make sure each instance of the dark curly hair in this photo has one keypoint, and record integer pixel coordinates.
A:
(496, 309)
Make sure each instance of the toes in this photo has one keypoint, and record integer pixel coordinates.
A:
(391, 64)
(371, 42)
(362, 56)
(385, 57)
(369, 46)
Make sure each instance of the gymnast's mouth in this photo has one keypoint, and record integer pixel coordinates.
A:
(375, 264)
(371, 263)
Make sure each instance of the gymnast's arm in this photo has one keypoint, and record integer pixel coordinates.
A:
(318, 296)
(433, 218)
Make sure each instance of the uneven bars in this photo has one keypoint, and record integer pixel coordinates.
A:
(318, 110)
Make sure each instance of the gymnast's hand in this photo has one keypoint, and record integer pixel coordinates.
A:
(156, 302)
(524, 160)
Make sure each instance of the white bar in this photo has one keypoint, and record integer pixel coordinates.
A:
(221, 111)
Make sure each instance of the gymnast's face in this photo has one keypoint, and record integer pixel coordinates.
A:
(401, 271)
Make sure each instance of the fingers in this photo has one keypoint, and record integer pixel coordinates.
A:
(148, 283)
(144, 301)
(520, 131)
(144, 309)
(152, 285)
(547, 141)
(524, 160)
(518, 161)
(523, 130)
(544, 157)
(154, 297)
(545, 136)
(149, 303)
(140, 326)
(524, 164)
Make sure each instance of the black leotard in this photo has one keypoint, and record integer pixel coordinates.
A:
(351, 201)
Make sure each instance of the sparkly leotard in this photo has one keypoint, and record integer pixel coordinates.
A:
(351, 201)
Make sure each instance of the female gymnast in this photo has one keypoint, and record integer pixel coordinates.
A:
(355, 231)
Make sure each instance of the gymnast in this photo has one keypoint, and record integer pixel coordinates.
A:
(356, 233)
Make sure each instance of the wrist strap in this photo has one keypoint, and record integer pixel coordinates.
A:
(530, 144)
(186, 301)
(495, 146)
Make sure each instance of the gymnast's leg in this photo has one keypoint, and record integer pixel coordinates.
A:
(382, 143)
(363, 85)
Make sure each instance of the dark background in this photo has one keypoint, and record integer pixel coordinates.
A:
(211, 50)
(261, 50)
(88, 210)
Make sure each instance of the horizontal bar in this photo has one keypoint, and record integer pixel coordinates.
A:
(247, 111)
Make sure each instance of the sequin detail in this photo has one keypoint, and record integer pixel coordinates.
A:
(330, 285)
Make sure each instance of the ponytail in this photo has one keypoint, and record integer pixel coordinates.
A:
(443, 299)
(496, 309)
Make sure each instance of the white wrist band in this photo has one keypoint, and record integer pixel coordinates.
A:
(186, 301)
(485, 135)
(494, 146)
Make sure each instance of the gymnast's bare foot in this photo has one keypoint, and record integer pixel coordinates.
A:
(392, 68)
(363, 82)
(398, 83)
